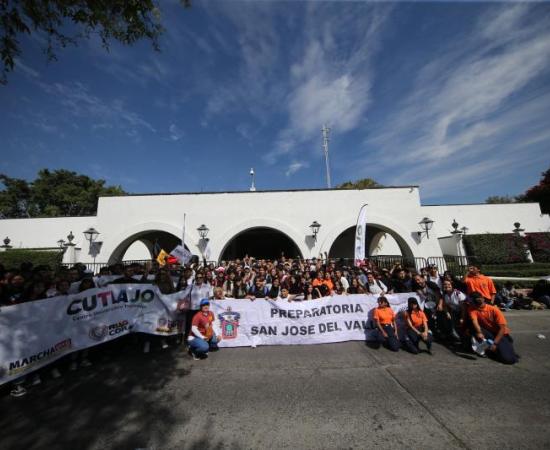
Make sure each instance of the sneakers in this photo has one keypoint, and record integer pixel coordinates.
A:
(85, 363)
(18, 391)
(55, 373)
(35, 381)
(164, 344)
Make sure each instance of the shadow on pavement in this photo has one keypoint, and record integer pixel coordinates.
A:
(122, 401)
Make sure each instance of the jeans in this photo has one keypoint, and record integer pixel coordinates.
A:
(412, 341)
(505, 352)
(391, 341)
(200, 346)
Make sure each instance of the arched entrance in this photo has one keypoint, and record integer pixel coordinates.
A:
(380, 241)
(260, 242)
(166, 241)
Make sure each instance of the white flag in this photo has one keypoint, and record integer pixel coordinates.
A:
(182, 254)
(361, 235)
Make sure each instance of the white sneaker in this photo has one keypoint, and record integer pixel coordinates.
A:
(85, 363)
(18, 391)
(55, 373)
(73, 366)
(35, 381)
(164, 344)
(146, 347)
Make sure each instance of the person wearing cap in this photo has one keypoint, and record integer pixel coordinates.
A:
(417, 328)
(489, 323)
(384, 318)
(202, 337)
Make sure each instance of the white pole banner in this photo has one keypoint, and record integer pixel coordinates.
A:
(361, 235)
(279, 322)
(34, 334)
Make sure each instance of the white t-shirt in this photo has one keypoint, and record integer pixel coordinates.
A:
(436, 280)
(200, 292)
(454, 299)
(377, 287)
(345, 283)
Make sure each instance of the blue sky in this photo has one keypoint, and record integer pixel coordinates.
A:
(454, 97)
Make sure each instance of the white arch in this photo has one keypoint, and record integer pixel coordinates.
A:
(374, 220)
(110, 245)
(230, 233)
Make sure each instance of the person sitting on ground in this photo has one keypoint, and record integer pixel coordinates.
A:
(375, 286)
(417, 328)
(476, 282)
(429, 295)
(506, 297)
(541, 292)
(450, 311)
(384, 319)
(202, 337)
(489, 323)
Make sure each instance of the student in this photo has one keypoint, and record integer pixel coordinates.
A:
(384, 318)
(488, 322)
(202, 338)
(476, 282)
(375, 286)
(417, 328)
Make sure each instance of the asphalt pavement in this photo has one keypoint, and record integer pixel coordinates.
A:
(344, 396)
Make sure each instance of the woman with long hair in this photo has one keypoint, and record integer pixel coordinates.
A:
(417, 328)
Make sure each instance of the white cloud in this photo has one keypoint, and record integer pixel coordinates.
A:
(295, 167)
(175, 132)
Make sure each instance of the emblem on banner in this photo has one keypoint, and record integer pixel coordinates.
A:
(229, 323)
(98, 333)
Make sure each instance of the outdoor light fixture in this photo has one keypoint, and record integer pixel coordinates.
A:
(70, 238)
(315, 229)
(203, 231)
(253, 185)
(517, 229)
(91, 235)
(426, 224)
(7, 241)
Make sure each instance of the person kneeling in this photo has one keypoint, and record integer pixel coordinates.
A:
(202, 338)
(384, 319)
(417, 328)
(489, 324)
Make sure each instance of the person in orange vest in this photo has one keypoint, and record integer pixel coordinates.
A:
(490, 326)
(417, 328)
(384, 318)
(476, 282)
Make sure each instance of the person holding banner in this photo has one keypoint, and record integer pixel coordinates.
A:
(202, 338)
(417, 328)
(384, 318)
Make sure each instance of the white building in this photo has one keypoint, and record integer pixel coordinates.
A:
(264, 223)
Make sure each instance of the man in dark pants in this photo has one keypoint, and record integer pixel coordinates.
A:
(488, 322)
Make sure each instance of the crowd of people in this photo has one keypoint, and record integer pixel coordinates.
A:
(448, 308)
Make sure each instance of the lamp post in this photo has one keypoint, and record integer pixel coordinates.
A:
(426, 224)
(91, 235)
(203, 233)
(314, 230)
(253, 176)
(6, 245)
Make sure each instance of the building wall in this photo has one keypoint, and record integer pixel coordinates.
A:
(120, 220)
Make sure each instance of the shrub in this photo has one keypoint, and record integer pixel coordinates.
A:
(539, 244)
(517, 270)
(12, 258)
(496, 248)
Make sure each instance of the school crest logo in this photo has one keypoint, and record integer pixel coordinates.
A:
(229, 323)
(98, 333)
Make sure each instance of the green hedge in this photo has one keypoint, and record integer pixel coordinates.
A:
(539, 244)
(12, 258)
(496, 248)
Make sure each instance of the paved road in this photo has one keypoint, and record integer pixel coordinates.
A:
(321, 396)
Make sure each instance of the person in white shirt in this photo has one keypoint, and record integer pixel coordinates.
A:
(433, 276)
(340, 277)
(374, 286)
(450, 311)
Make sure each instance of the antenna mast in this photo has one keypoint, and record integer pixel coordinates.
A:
(326, 131)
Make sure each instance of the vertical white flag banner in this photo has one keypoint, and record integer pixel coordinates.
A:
(183, 232)
(361, 235)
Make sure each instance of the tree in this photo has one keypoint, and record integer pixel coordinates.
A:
(65, 22)
(364, 183)
(53, 194)
(495, 199)
(539, 193)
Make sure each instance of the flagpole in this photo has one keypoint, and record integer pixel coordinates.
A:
(183, 233)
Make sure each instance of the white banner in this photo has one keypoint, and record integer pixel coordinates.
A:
(361, 235)
(278, 322)
(34, 334)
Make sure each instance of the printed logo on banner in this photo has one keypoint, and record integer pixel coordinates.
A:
(229, 323)
(102, 331)
(23, 364)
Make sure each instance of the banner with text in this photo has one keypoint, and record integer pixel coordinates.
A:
(278, 322)
(37, 333)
